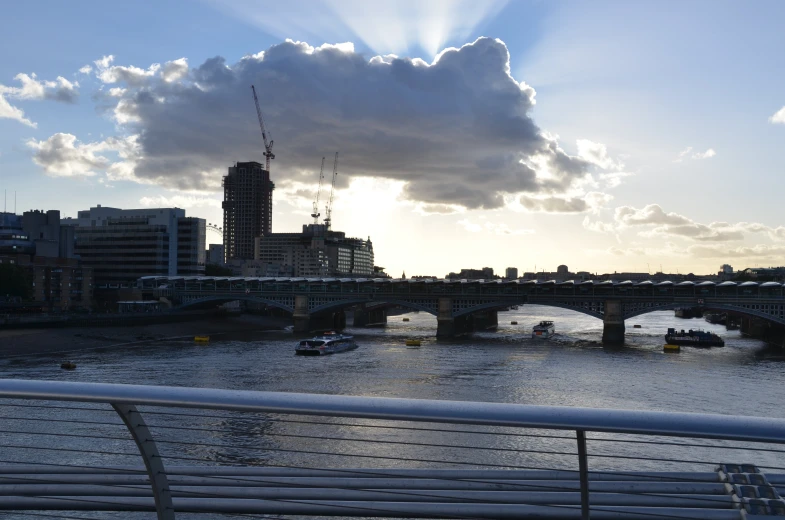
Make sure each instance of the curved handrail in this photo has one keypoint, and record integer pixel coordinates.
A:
(755, 429)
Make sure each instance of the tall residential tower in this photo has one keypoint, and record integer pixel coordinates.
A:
(248, 208)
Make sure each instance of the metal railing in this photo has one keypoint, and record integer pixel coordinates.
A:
(73, 448)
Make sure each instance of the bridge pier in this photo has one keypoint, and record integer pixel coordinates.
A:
(301, 316)
(484, 320)
(304, 321)
(613, 323)
(364, 316)
(448, 326)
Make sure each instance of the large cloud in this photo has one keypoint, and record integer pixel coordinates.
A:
(62, 155)
(32, 88)
(458, 131)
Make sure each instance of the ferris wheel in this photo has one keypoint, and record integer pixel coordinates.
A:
(216, 229)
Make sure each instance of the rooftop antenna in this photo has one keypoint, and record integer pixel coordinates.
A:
(316, 213)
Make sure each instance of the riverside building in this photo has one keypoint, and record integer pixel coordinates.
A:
(122, 245)
(248, 208)
(317, 251)
(36, 249)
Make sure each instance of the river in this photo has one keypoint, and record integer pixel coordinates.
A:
(506, 365)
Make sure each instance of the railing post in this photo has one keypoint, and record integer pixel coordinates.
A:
(583, 467)
(152, 459)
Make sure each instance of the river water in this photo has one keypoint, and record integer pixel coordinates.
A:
(506, 365)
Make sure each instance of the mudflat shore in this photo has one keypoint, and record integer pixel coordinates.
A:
(36, 341)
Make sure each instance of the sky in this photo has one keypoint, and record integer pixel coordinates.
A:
(608, 136)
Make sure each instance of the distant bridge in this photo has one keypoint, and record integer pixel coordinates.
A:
(460, 305)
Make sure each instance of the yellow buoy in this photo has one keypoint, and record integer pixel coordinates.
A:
(671, 348)
(202, 339)
(412, 342)
(406, 319)
(68, 365)
(513, 323)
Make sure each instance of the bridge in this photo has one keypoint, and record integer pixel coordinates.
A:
(71, 449)
(461, 306)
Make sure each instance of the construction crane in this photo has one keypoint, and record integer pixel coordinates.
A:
(268, 145)
(316, 213)
(329, 207)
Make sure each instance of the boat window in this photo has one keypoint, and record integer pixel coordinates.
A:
(308, 343)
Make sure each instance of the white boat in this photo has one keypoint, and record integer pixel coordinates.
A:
(327, 343)
(544, 329)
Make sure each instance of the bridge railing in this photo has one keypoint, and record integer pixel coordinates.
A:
(130, 450)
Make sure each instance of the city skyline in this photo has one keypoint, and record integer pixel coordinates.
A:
(535, 141)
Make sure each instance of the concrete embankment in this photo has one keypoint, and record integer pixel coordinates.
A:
(20, 342)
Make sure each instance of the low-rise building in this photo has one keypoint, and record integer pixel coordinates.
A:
(486, 273)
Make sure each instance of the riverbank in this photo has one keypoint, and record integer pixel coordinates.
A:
(19, 342)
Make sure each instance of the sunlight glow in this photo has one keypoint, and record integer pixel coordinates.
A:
(386, 27)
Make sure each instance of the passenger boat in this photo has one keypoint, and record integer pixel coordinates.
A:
(327, 343)
(693, 338)
(544, 329)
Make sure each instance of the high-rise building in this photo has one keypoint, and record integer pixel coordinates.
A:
(511, 273)
(122, 245)
(248, 208)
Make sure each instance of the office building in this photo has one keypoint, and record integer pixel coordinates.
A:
(13, 239)
(122, 245)
(50, 238)
(317, 251)
(34, 248)
(511, 273)
(248, 208)
(216, 254)
(191, 258)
